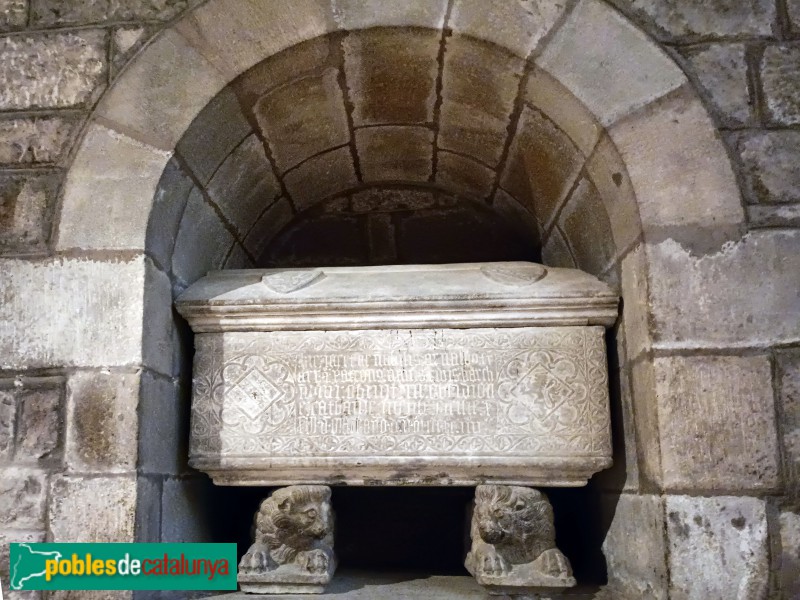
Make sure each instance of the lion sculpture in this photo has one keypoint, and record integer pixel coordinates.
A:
(293, 534)
(514, 541)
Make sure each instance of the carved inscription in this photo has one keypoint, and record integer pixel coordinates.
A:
(526, 391)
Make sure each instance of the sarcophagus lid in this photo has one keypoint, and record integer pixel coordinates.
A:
(422, 374)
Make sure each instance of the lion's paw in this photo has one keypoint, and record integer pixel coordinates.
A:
(316, 561)
(256, 560)
(552, 562)
(492, 563)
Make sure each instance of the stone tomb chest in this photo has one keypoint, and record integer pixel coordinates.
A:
(425, 375)
(474, 374)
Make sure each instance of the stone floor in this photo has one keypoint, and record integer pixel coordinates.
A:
(361, 586)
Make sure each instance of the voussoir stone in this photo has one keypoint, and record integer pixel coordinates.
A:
(718, 548)
(362, 14)
(395, 153)
(54, 70)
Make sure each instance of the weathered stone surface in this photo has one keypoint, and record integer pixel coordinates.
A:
(717, 420)
(202, 242)
(290, 555)
(100, 509)
(687, 20)
(789, 396)
(514, 542)
(126, 42)
(372, 403)
(543, 165)
(244, 185)
(780, 215)
(717, 548)
(162, 91)
(8, 419)
(585, 224)
(362, 14)
(40, 419)
(57, 12)
(635, 548)
(23, 496)
(395, 153)
(789, 559)
(692, 182)
(321, 177)
(610, 65)
(103, 424)
(57, 70)
(237, 36)
(303, 118)
(121, 175)
(26, 204)
(517, 26)
(780, 76)
(721, 70)
(35, 140)
(274, 219)
(13, 14)
(464, 176)
(391, 74)
(646, 422)
(107, 295)
(392, 200)
(759, 303)
(549, 96)
(213, 135)
(770, 160)
(480, 83)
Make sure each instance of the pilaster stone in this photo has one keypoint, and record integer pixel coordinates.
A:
(717, 423)
(635, 548)
(717, 548)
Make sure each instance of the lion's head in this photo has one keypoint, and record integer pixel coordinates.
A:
(516, 520)
(296, 517)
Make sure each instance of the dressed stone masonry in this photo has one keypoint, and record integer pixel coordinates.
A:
(463, 374)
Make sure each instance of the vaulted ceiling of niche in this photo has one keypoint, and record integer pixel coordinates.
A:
(387, 106)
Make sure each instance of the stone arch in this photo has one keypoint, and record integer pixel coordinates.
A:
(650, 170)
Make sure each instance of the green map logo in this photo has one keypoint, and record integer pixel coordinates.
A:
(122, 567)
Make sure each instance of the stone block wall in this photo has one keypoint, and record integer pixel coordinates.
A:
(75, 459)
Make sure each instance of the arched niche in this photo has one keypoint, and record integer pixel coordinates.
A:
(563, 122)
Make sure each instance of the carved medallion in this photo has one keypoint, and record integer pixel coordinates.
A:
(286, 282)
(516, 275)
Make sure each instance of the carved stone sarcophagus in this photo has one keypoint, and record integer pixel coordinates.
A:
(425, 375)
